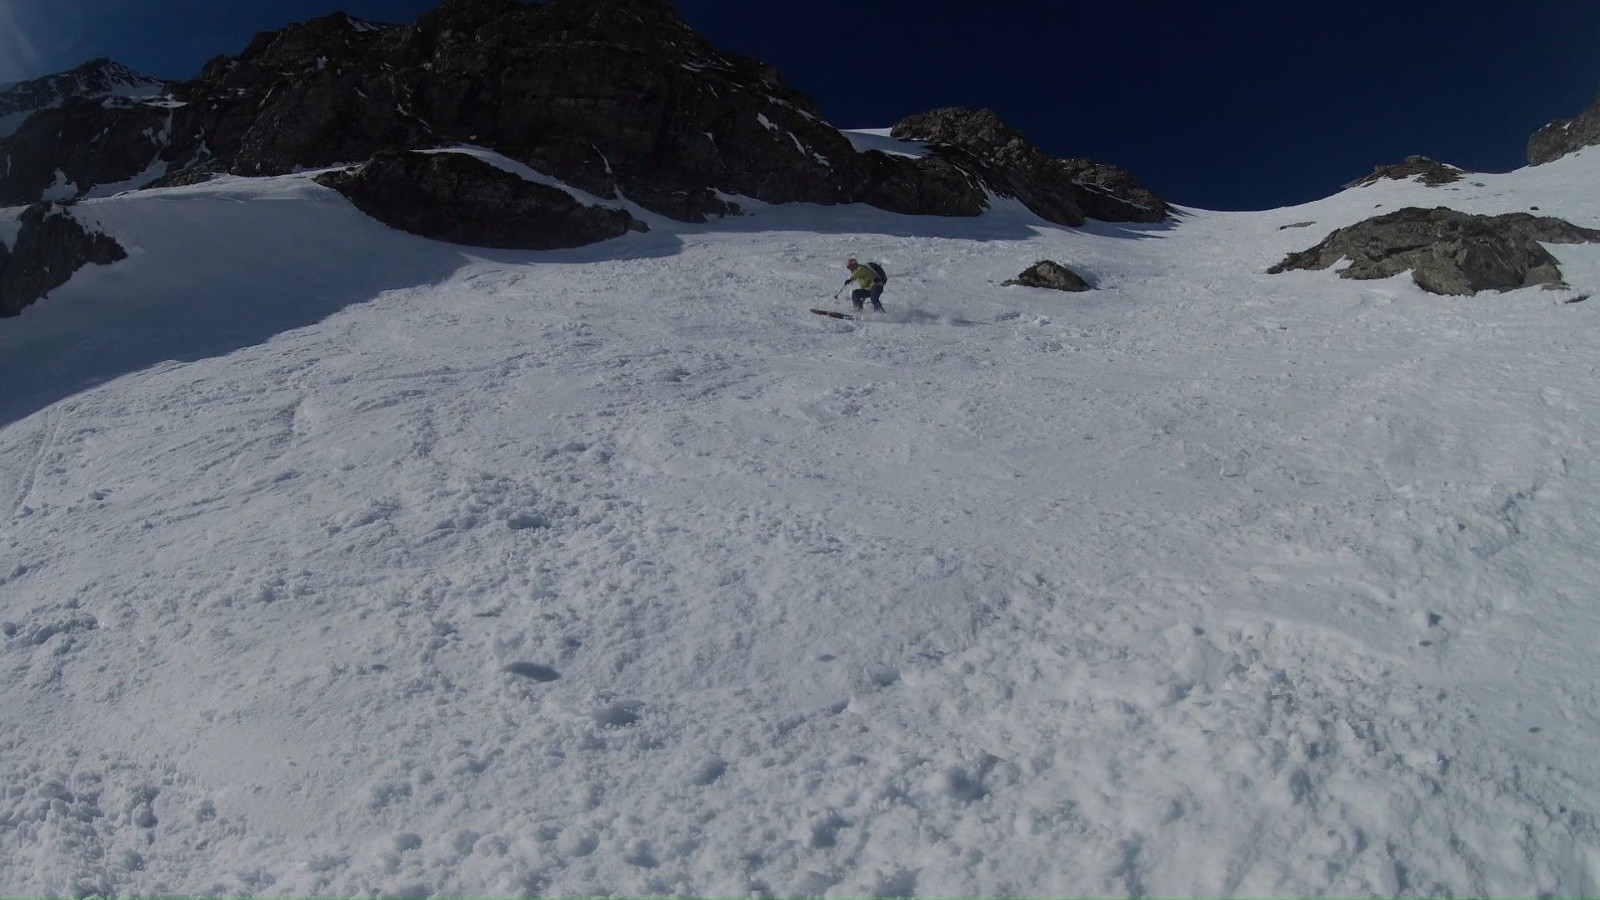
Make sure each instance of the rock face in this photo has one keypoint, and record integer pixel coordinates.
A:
(1565, 136)
(1431, 172)
(51, 246)
(1448, 252)
(1050, 274)
(619, 98)
(462, 199)
(1061, 191)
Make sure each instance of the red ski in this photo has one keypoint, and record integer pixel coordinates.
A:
(831, 314)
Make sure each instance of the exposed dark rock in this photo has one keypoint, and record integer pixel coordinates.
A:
(1049, 274)
(462, 199)
(976, 140)
(1565, 136)
(1432, 172)
(1060, 191)
(1112, 194)
(1448, 252)
(51, 245)
(927, 186)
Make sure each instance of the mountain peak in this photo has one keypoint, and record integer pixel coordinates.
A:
(100, 77)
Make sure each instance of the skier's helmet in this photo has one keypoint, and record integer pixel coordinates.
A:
(849, 264)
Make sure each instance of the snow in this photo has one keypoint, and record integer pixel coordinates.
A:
(10, 123)
(864, 139)
(137, 89)
(63, 188)
(10, 225)
(338, 561)
(153, 172)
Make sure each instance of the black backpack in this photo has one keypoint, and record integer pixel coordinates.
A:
(883, 277)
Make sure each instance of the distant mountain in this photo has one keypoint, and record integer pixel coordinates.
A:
(97, 79)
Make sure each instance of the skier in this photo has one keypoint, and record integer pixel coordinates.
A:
(870, 278)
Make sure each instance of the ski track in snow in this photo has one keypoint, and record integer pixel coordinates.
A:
(581, 574)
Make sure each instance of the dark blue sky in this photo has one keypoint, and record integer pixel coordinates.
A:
(1231, 104)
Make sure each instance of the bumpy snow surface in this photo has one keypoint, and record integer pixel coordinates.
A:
(341, 562)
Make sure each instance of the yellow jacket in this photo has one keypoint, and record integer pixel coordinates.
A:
(863, 275)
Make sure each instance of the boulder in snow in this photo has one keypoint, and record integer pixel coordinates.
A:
(1447, 252)
(1050, 274)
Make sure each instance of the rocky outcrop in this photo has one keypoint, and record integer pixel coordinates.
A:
(462, 199)
(927, 186)
(1429, 171)
(1060, 191)
(1565, 136)
(1049, 274)
(1447, 252)
(51, 245)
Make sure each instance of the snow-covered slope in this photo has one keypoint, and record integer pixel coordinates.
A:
(341, 562)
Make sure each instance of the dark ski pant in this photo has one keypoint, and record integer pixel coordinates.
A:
(860, 296)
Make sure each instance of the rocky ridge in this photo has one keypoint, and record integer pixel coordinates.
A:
(1064, 191)
(1430, 172)
(618, 98)
(1565, 136)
